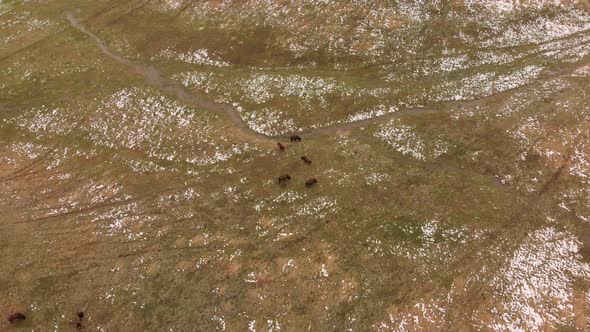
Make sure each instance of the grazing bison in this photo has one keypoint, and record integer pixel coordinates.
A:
(281, 146)
(79, 322)
(311, 182)
(306, 160)
(16, 317)
(284, 178)
(295, 138)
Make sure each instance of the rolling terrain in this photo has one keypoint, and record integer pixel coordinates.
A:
(450, 141)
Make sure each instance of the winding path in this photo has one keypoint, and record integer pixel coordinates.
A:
(155, 79)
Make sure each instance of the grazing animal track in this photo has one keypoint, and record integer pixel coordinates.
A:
(155, 79)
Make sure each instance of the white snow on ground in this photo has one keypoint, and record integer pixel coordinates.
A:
(171, 4)
(535, 287)
(556, 32)
(16, 26)
(542, 30)
(197, 57)
(319, 207)
(404, 140)
(377, 111)
(555, 20)
(270, 122)
(527, 130)
(486, 84)
(376, 178)
(120, 220)
(427, 315)
(142, 116)
(29, 150)
(450, 64)
(533, 291)
(261, 88)
(582, 71)
(580, 159)
(196, 79)
(510, 6)
(27, 19)
(46, 121)
(161, 127)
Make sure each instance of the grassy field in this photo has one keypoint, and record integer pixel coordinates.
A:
(450, 142)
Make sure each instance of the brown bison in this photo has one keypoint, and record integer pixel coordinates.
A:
(79, 322)
(16, 317)
(284, 178)
(281, 146)
(306, 160)
(295, 138)
(311, 182)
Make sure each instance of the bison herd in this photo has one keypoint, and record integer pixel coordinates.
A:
(283, 179)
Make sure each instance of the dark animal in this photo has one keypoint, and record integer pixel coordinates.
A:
(284, 178)
(79, 322)
(16, 317)
(306, 160)
(281, 146)
(309, 183)
(295, 138)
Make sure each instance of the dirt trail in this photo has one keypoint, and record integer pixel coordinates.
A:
(155, 79)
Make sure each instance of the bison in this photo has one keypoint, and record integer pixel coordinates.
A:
(281, 146)
(295, 138)
(16, 317)
(79, 322)
(311, 182)
(306, 160)
(284, 178)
